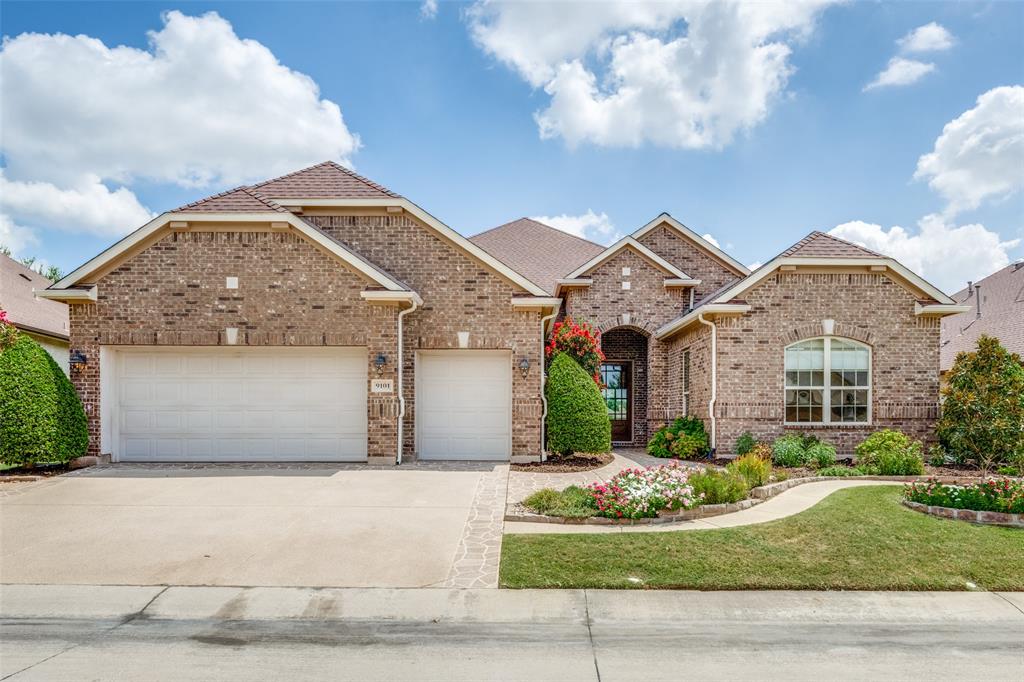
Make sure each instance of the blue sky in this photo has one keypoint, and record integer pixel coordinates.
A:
(448, 110)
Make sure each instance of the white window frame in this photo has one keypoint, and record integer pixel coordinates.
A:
(827, 388)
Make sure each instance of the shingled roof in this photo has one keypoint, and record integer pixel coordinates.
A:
(240, 199)
(541, 253)
(327, 180)
(25, 310)
(1001, 314)
(822, 245)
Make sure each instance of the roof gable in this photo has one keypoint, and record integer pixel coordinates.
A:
(327, 180)
(634, 245)
(822, 245)
(695, 239)
(540, 252)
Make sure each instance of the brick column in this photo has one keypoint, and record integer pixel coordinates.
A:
(86, 378)
(382, 408)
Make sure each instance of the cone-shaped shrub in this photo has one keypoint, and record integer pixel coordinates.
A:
(41, 417)
(577, 416)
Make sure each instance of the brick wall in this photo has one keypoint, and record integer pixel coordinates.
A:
(867, 307)
(695, 262)
(290, 293)
(459, 294)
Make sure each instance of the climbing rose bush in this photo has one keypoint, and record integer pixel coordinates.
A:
(580, 342)
(640, 493)
(8, 332)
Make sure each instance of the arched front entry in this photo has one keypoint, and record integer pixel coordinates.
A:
(625, 377)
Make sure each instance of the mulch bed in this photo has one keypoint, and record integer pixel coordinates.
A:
(566, 465)
(39, 471)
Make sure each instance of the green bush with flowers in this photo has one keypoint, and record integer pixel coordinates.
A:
(684, 438)
(998, 495)
(580, 342)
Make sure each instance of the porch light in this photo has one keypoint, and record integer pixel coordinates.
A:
(379, 362)
(524, 366)
(76, 357)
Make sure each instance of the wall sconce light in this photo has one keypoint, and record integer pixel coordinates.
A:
(76, 359)
(524, 366)
(379, 362)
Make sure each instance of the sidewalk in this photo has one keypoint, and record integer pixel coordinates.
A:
(221, 633)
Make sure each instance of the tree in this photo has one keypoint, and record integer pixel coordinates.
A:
(580, 342)
(983, 411)
(41, 417)
(577, 416)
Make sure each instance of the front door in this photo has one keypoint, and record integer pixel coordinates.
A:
(616, 377)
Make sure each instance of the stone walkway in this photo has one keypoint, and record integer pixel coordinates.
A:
(522, 483)
(788, 503)
(479, 553)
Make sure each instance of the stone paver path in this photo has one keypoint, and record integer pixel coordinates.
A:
(788, 503)
(522, 483)
(479, 552)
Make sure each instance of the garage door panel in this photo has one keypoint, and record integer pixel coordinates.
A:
(463, 405)
(246, 404)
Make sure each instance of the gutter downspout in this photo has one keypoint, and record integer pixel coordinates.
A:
(401, 386)
(543, 380)
(714, 377)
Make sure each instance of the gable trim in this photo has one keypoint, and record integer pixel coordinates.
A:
(699, 241)
(767, 269)
(152, 227)
(709, 309)
(630, 242)
(430, 221)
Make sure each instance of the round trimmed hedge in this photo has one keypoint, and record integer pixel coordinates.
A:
(41, 417)
(577, 415)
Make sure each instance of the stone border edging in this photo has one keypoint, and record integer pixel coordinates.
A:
(517, 512)
(984, 518)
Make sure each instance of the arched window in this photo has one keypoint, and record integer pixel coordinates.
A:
(828, 381)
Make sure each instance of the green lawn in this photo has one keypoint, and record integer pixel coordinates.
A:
(855, 539)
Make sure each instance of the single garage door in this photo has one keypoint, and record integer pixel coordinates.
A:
(239, 404)
(464, 404)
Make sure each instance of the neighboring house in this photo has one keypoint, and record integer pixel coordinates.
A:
(320, 316)
(996, 309)
(45, 321)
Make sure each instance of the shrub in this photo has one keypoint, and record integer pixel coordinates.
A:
(577, 416)
(983, 410)
(639, 493)
(809, 440)
(1001, 495)
(713, 486)
(841, 471)
(762, 450)
(788, 451)
(821, 455)
(663, 442)
(41, 417)
(890, 453)
(754, 470)
(745, 443)
(8, 332)
(936, 456)
(573, 502)
(580, 342)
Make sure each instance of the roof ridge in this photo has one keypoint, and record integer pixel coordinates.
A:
(847, 242)
(209, 198)
(533, 220)
(336, 166)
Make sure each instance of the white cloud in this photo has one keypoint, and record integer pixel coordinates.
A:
(91, 207)
(931, 37)
(755, 265)
(201, 106)
(15, 237)
(428, 9)
(946, 255)
(900, 71)
(709, 238)
(674, 74)
(597, 227)
(980, 154)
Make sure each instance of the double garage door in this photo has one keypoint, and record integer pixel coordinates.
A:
(296, 404)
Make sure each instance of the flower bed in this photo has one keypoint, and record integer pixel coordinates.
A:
(642, 493)
(994, 495)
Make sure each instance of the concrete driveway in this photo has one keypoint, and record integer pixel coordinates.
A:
(288, 525)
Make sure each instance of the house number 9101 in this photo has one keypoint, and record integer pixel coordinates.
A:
(382, 386)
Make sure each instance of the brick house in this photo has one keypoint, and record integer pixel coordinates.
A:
(319, 316)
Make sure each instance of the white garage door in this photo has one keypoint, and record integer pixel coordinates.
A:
(464, 405)
(239, 404)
